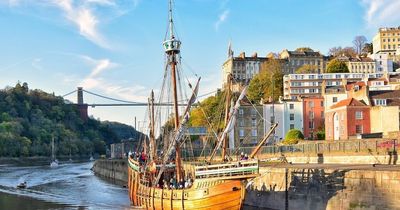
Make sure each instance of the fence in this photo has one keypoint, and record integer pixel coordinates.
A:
(314, 147)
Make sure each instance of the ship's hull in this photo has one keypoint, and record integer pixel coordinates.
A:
(204, 194)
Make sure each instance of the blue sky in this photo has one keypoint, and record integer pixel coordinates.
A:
(114, 47)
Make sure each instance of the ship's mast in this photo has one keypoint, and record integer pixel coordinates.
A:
(227, 107)
(152, 136)
(172, 49)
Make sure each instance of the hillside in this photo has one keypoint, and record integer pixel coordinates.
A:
(29, 119)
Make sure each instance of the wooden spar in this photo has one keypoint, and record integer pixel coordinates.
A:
(262, 142)
(177, 146)
(227, 107)
(152, 137)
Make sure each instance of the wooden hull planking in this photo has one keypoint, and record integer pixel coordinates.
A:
(205, 194)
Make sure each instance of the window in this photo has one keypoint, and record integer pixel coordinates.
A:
(253, 122)
(241, 111)
(291, 116)
(359, 115)
(359, 129)
(291, 126)
(254, 132)
(291, 106)
(322, 114)
(253, 112)
(241, 132)
(334, 99)
(380, 102)
(311, 104)
(311, 114)
(322, 103)
(241, 123)
(311, 124)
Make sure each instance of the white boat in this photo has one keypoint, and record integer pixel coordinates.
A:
(54, 161)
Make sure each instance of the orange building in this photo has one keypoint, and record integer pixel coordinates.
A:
(313, 116)
(346, 119)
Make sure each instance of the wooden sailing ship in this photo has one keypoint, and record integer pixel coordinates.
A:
(211, 185)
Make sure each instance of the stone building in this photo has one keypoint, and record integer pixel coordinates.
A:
(387, 41)
(296, 59)
(242, 69)
(249, 126)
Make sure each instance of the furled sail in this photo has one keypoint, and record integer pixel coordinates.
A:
(231, 122)
(178, 137)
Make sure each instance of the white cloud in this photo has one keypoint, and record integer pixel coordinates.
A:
(84, 18)
(221, 19)
(93, 80)
(381, 13)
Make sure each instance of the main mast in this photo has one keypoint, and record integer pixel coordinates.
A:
(227, 108)
(172, 49)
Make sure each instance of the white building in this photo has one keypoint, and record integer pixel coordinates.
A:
(382, 62)
(306, 85)
(287, 113)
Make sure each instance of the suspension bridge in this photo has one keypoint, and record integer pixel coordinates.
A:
(117, 102)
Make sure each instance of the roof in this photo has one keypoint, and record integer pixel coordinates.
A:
(304, 53)
(392, 96)
(347, 102)
(350, 85)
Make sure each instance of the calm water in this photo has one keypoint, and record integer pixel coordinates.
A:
(68, 186)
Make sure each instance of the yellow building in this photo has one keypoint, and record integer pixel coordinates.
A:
(387, 41)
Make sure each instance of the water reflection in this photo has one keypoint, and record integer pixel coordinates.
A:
(70, 184)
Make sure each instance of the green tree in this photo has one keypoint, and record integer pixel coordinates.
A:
(336, 66)
(268, 83)
(307, 69)
(293, 136)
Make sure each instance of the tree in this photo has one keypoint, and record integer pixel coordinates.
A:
(339, 51)
(304, 49)
(269, 82)
(307, 69)
(336, 66)
(359, 42)
(293, 136)
(368, 48)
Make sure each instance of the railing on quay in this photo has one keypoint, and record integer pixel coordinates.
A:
(313, 147)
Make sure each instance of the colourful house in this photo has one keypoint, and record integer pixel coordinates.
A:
(346, 119)
(313, 116)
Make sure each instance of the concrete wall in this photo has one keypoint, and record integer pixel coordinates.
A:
(325, 189)
(112, 169)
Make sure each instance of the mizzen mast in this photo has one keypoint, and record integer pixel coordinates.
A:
(172, 49)
(152, 142)
(227, 108)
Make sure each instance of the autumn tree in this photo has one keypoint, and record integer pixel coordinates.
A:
(336, 66)
(269, 82)
(307, 69)
(304, 49)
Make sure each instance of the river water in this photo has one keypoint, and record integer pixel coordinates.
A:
(68, 186)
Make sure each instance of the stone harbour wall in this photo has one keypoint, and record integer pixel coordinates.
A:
(116, 169)
(325, 189)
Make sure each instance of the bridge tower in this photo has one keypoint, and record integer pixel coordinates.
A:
(82, 107)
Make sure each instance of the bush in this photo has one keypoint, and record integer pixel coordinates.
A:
(293, 137)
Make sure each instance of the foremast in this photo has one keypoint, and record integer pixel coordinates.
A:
(172, 49)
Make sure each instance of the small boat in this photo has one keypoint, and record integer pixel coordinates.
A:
(22, 185)
(54, 161)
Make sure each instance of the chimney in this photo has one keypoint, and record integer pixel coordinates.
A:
(270, 99)
(254, 55)
(242, 55)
